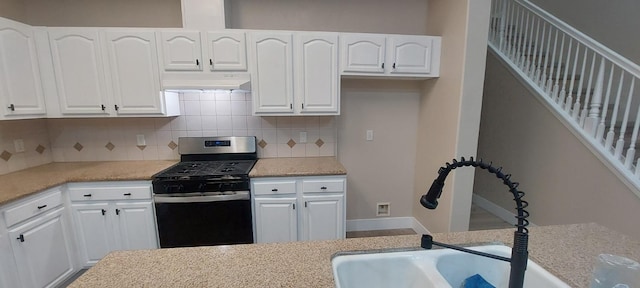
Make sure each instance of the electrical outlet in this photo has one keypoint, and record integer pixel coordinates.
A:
(383, 209)
(140, 139)
(303, 137)
(18, 145)
(369, 135)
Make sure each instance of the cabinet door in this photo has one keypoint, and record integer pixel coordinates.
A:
(227, 51)
(276, 220)
(20, 84)
(410, 54)
(363, 53)
(135, 79)
(272, 73)
(42, 252)
(8, 275)
(181, 50)
(136, 226)
(93, 232)
(317, 77)
(79, 70)
(323, 217)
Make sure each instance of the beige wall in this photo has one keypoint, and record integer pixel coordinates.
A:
(13, 9)
(563, 181)
(112, 13)
(377, 16)
(613, 23)
(450, 109)
(380, 170)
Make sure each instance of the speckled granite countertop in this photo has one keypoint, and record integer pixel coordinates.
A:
(567, 251)
(287, 167)
(29, 181)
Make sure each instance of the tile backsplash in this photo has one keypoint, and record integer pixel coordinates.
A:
(34, 136)
(203, 114)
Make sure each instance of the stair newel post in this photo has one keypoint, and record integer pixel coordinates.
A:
(576, 106)
(587, 96)
(563, 91)
(553, 60)
(591, 121)
(536, 73)
(614, 118)
(605, 108)
(556, 86)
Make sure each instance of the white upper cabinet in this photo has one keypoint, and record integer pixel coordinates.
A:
(79, 70)
(317, 86)
(21, 93)
(227, 51)
(181, 50)
(135, 79)
(363, 53)
(390, 55)
(271, 57)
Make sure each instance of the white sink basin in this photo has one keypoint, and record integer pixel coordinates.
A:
(433, 268)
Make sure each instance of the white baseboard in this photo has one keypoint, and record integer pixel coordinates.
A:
(386, 224)
(494, 209)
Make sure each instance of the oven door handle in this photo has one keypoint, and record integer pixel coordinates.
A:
(200, 198)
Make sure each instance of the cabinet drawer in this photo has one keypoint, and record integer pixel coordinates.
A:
(274, 187)
(109, 193)
(32, 208)
(333, 185)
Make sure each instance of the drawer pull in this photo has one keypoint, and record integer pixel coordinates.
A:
(40, 207)
(104, 212)
(21, 238)
(87, 195)
(118, 212)
(323, 188)
(274, 190)
(127, 194)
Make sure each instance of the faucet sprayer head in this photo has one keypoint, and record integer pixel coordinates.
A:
(430, 200)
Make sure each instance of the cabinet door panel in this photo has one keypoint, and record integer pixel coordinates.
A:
(272, 72)
(323, 217)
(182, 50)
(363, 53)
(43, 258)
(93, 231)
(227, 51)
(20, 83)
(410, 54)
(79, 71)
(134, 72)
(136, 226)
(317, 73)
(276, 220)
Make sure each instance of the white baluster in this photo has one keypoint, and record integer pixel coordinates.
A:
(634, 136)
(531, 61)
(591, 121)
(631, 152)
(503, 22)
(510, 30)
(520, 35)
(576, 106)
(567, 106)
(524, 47)
(605, 107)
(536, 75)
(543, 77)
(614, 117)
(637, 172)
(556, 86)
(588, 94)
(549, 84)
(563, 90)
(525, 55)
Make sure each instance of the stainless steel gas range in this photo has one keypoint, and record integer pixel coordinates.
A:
(204, 199)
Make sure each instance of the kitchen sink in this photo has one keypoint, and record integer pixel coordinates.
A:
(432, 268)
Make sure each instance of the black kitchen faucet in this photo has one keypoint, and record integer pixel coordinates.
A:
(519, 253)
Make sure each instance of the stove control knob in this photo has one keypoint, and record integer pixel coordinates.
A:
(174, 188)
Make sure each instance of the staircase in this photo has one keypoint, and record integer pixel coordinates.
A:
(588, 86)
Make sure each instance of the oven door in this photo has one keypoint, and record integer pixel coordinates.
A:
(203, 219)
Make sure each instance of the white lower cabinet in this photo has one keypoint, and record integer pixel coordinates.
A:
(299, 208)
(38, 242)
(112, 216)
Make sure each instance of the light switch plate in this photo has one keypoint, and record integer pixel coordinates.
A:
(141, 140)
(369, 135)
(303, 137)
(18, 145)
